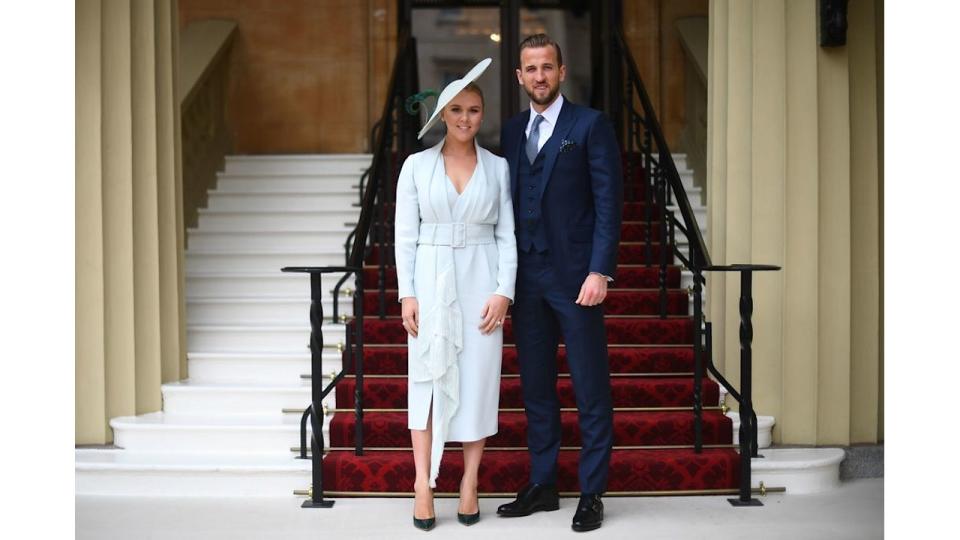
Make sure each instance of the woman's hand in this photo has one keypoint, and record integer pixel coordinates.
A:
(410, 314)
(493, 313)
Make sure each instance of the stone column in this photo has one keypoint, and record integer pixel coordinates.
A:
(173, 358)
(865, 216)
(117, 193)
(792, 180)
(89, 383)
(145, 211)
(128, 250)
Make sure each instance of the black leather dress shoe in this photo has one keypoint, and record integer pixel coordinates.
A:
(589, 515)
(532, 498)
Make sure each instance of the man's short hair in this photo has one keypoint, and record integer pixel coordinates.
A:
(542, 40)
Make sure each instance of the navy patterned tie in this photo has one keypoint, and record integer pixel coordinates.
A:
(533, 139)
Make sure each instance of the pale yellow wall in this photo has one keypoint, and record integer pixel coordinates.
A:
(129, 300)
(793, 180)
(865, 211)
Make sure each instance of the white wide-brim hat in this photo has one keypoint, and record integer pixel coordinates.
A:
(451, 91)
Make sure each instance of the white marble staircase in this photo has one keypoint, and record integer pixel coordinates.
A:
(222, 431)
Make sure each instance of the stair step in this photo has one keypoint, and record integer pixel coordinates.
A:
(620, 329)
(187, 398)
(259, 338)
(503, 472)
(305, 200)
(299, 164)
(642, 359)
(199, 435)
(253, 368)
(260, 261)
(264, 310)
(800, 470)
(632, 211)
(227, 284)
(119, 472)
(626, 392)
(247, 240)
(618, 302)
(635, 276)
(389, 429)
(307, 220)
(329, 182)
(629, 253)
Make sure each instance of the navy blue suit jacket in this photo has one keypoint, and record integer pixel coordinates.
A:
(582, 198)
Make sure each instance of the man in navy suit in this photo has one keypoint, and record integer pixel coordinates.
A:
(567, 197)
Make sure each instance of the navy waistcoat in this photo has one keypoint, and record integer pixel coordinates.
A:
(531, 234)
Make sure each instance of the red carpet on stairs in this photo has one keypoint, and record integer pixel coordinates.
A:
(392, 359)
(651, 365)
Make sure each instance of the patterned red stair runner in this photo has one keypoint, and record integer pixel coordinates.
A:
(651, 362)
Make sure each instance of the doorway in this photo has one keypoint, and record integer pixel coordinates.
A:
(452, 36)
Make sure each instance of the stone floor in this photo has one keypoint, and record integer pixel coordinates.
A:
(855, 510)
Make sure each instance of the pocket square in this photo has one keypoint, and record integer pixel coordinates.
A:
(567, 145)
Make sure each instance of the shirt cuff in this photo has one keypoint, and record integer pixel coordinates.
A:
(602, 275)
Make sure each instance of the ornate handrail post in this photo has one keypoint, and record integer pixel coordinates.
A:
(648, 190)
(358, 365)
(665, 248)
(382, 218)
(315, 409)
(316, 389)
(746, 389)
(747, 416)
(695, 266)
(631, 169)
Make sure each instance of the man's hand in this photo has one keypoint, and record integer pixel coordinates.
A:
(410, 314)
(593, 291)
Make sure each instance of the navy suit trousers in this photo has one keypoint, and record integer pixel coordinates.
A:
(543, 311)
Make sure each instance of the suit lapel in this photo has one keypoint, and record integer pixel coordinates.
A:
(565, 122)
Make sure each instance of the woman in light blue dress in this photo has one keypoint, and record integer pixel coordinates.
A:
(456, 269)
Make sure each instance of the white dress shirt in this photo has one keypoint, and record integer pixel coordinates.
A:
(549, 122)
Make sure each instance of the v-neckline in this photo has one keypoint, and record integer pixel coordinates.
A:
(469, 178)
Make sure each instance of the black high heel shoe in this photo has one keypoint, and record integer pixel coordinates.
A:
(425, 524)
(468, 519)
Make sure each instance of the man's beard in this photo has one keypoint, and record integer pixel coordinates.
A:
(552, 95)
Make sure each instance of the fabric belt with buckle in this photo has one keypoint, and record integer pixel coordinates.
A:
(455, 235)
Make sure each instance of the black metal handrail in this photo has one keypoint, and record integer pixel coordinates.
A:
(664, 160)
(645, 147)
(376, 193)
(353, 360)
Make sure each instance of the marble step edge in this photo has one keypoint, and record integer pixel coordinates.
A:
(332, 328)
(186, 385)
(351, 212)
(334, 251)
(121, 472)
(163, 421)
(93, 459)
(285, 193)
(267, 177)
(346, 156)
(343, 230)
